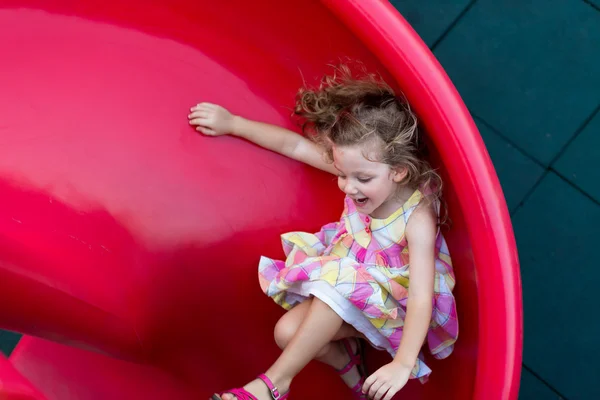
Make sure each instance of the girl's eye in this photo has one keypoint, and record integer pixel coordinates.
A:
(341, 177)
(364, 180)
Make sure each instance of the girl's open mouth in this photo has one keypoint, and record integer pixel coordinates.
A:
(361, 201)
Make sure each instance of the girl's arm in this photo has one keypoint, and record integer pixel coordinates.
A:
(214, 120)
(421, 233)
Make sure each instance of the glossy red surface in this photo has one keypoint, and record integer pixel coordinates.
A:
(125, 233)
(13, 385)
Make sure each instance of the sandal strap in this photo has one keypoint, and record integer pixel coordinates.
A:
(240, 393)
(272, 388)
(354, 358)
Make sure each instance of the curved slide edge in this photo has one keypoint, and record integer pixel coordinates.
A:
(451, 127)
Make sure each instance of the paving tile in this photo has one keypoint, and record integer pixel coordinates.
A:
(528, 68)
(534, 389)
(516, 171)
(556, 231)
(579, 163)
(430, 18)
(8, 341)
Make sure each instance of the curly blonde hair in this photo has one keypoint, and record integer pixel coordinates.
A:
(346, 111)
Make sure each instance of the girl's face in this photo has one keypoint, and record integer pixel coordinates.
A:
(371, 185)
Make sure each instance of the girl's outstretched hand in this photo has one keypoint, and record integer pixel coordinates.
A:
(211, 119)
(386, 381)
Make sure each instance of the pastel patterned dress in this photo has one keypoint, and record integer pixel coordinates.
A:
(359, 267)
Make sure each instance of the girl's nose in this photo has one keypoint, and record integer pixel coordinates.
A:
(350, 189)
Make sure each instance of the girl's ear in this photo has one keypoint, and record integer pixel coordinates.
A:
(399, 173)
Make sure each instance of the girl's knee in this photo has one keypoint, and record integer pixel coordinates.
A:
(285, 329)
(288, 325)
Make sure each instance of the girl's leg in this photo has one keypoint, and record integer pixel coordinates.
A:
(318, 328)
(288, 325)
(333, 353)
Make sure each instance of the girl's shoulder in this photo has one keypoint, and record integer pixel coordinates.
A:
(404, 208)
(423, 223)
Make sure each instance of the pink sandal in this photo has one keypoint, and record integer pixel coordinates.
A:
(243, 394)
(355, 360)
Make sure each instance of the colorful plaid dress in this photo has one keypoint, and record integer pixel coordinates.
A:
(359, 267)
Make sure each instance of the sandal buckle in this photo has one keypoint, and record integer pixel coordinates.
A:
(275, 393)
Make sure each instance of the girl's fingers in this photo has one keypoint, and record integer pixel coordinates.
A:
(209, 106)
(198, 114)
(375, 388)
(368, 382)
(390, 393)
(198, 121)
(381, 392)
(203, 106)
(206, 131)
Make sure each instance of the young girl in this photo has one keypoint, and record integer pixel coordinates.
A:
(353, 280)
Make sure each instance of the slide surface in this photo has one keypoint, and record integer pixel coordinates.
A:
(129, 243)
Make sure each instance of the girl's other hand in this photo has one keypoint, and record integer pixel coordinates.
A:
(387, 381)
(211, 119)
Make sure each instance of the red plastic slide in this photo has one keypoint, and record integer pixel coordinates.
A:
(129, 244)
